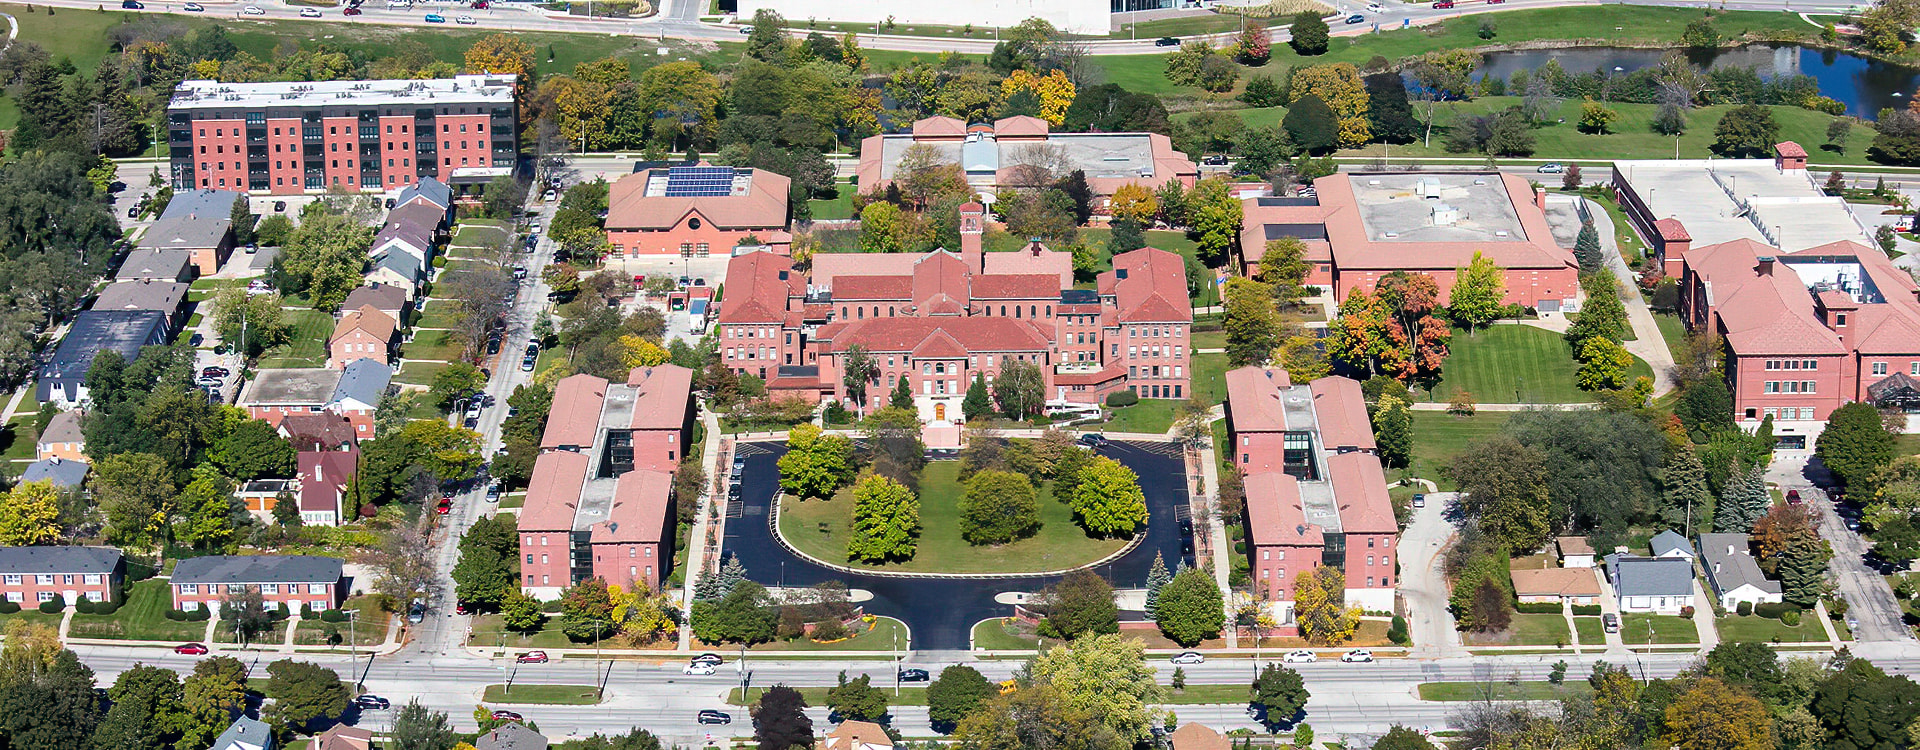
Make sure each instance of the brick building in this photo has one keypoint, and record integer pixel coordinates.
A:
(1316, 490)
(1002, 154)
(294, 137)
(30, 575)
(353, 392)
(293, 579)
(365, 333)
(600, 500)
(696, 210)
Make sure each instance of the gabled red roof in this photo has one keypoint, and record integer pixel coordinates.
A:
(1274, 515)
(939, 345)
(939, 127)
(574, 419)
(1150, 286)
(553, 494)
(972, 334)
(1769, 313)
(1340, 408)
(660, 402)
(1789, 148)
(759, 295)
(641, 501)
(1254, 399)
(940, 284)
(1672, 230)
(1017, 286)
(873, 288)
(323, 478)
(1360, 492)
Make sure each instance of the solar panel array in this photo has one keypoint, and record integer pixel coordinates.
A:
(699, 182)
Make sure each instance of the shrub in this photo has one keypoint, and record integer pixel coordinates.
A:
(176, 615)
(1397, 632)
(333, 615)
(1743, 609)
(107, 608)
(83, 606)
(1538, 608)
(1122, 398)
(7, 608)
(1586, 610)
(202, 614)
(1686, 612)
(1790, 618)
(1837, 607)
(830, 630)
(306, 611)
(1774, 610)
(53, 605)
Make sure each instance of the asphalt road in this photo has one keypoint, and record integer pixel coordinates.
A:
(940, 612)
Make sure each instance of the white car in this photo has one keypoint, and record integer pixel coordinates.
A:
(193, 7)
(467, 20)
(1302, 656)
(1190, 657)
(309, 12)
(698, 669)
(1357, 656)
(253, 10)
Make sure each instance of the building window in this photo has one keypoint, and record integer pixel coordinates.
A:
(46, 596)
(1879, 368)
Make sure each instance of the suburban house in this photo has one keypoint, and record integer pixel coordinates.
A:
(352, 392)
(261, 496)
(208, 240)
(1359, 227)
(514, 736)
(294, 579)
(63, 473)
(1669, 543)
(1192, 736)
(601, 490)
(158, 265)
(391, 300)
(245, 734)
(324, 431)
(361, 334)
(166, 297)
(63, 439)
(324, 476)
(1316, 490)
(697, 210)
(30, 575)
(1733, 573)
(62, 379)
(1575, 552)
(857, 735)
(1015, 152)
(1661, 585)
(1556, 585)
(428, 191)
(343, 737)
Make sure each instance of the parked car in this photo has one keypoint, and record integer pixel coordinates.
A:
(1610, 622)
(193, 7)
(1357, 656)
(1214, 160)
(526, 363)
(710, 716)
(281, 206)
(1356, 18)
(214, 371)
(1419, 499)
(350, 12)
(744, 30)
(532, 657)
(371, 702)
(133, 212)
(1189, 657)
(1793, 497)
(914, 675)
(1093, 440)
(437, 18)
(191, 649)
(1302, 656)
(445, 506)
(132, 5)
(478, 5)
(493, 492)
(699, 669)
(309, 12)
(501, 714)
(1552, 167)
(708, 658)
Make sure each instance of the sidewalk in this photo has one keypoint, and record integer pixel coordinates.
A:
(707, 521)
(1648, 344)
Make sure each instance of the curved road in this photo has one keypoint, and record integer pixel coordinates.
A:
(940, 612)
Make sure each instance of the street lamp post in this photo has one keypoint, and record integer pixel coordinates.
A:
(353, 649)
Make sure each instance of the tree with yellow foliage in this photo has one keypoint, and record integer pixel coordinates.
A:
(1134, 202)
(1054, 89)
(1713, 715)
(639, 352)
(1339, 85)
(501, 54)
(30, 515)
(644, 617)
(1319, 605)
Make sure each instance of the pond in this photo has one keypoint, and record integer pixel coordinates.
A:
(1864, 85)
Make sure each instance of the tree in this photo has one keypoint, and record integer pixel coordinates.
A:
(857, 700)
(902, 396)
(1603, 315)
(1157, 578)
(1803, 570)
(1319, 605)
(1744, 132)
(1189, 609)
(1078, 604)
(744, 615)
(1596, 118)
(1034, 717)
(1669, 120)
(1586, 249)
(416, 727)
(253, 323)
(1262, 151)
(977, 404)
(1284, 267)
(1505, 489)
(1311, 125)
(1106, 676)
(135, 493)
(1479, 289)
(886, 521)
(303, 694)
(1280, 693)
(1393, 431)
(216, 689)
(1389, 113)
(1020, 389)
(1710, 715)
(521, 613)
(1310, 34)
(210, 509)
(1262, 92)
(780, 720)
(956, 694)
(323, 258)
(1684, 494)
(1252, 324)
(1603, 365)
(999, 507)
(1214, 215)
(1402, 738)
(586, 610)
(815, 464)
(30, 515)
(1705, 408)
(1838, 131)
(1570, 179)
(1067, 469)
(1855, 445)
(1742, 501)
(1862, 707)
(251, 450)
(1108, 500)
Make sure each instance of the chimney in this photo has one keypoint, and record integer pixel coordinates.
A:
(1764, 265)
(1540, 198)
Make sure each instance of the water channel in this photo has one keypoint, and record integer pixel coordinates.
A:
(1864, 85)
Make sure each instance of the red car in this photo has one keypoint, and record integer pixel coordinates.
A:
(533, 657)
(445, 506)
(190, 649)
(502, 714)
(1793, 497)
(479, 5)
(1443, 5)
(350, 12)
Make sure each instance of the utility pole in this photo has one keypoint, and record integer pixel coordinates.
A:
(353, 649)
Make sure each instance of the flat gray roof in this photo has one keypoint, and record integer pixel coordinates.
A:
(297, 385)
(1721, 200)
(1436, 207)
(1109, 155)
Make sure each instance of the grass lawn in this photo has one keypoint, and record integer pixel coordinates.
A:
(488, 632)
(418, 373)
(551, 695)
(142, 618)
(1439, 436)
(17, 439)
(1665, 628)
(817, 696)
(307, 346)
(469, 234)
(1530, 630)
(1624, 239)
(1210, 340)
(369, 627)
(1758, 629)
(997, 635)
(273, 637)
(820, 527)
(1515, 364)
(436, 345)
(1154, 415)
(1590, 630)
(439, 314)
(30, 613)
(513, 499)
(1673, 331)
(1209, 377)
(1504, 691)
(882, 636)
(840, 206)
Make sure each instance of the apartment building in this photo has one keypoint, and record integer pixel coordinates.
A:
(30, 575)
(290, 579)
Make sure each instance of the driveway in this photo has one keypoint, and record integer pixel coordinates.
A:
(940, 612)
(1421, 582)
(1868, 597)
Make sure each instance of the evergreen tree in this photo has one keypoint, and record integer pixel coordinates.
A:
(1125, 238)
(1157, 576)
(1311, 125)
(977, 404)
(1743, 501)
(1309, 33)
(902, 397)
(732, 572)
(1684, 495)
(1803, 571)
(1706, 409)
(1586, 249)
(1389, 114)
(1393, 431)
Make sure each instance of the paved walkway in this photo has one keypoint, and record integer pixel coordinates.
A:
(706, 522)
(1648, 344)
(1206, 500)
(1573, 632)
(1703, 620)
(1826, 623)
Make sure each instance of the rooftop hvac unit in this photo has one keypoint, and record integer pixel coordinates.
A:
(1428, 188)
(1445, 215)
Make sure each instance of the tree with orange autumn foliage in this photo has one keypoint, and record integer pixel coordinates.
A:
(1780, 528)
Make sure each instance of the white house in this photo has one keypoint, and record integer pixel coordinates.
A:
(1670, 543)
(1661, 585)
(1733, 573)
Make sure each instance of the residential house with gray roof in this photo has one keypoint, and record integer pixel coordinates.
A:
(160, 265)
(1661, 585)
(294, 579)
(165, 297)
(245, 734)
(61, 472)
(1670, 543)
(63, 439)
(196, 202)
(207, 239)
(30, 575)
(511, 737)
(1733, 573)
(62, 379)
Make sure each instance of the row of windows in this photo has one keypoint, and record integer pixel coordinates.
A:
(1790, 412)
(52, 579)
(265, 588)
(1136, 352)
(1793, 364)
(1154, 332)
(335, 130)
(1154, 371)
(1788, 386)
(1880, 368)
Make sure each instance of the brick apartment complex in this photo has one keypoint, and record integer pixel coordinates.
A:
(293, 579)
(1362, 226)
(1316, 490)
(600, 501)
(696, 210)
(30, 575)
(936, 319)
(1806, 331)
(289, 138)
(999, 154)
(352, 391)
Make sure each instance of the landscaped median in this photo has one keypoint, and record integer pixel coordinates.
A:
(549, 695)
(1012, 634)
(883, 634)
(1191, 695)
(1501, 691)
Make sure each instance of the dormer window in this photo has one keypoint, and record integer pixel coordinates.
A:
(1839, 320)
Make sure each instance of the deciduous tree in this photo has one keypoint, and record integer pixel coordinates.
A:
(1106, 676)
(1309, 34)
(999, 507)
(1108, 500)
(30, 515)
(303, 694)
(1505, 489)
(886, 521)
(780, 720)
(1080, 603)
(1479, 290)
(1855, 445)
(1189, 609)
(956, 694)
(1710, 715)
(1281, 694)
(1319, 597)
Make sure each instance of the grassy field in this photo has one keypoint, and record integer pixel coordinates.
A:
(1530, 630)
(1502, 691)
(418, 373)
(1209, 377)
(884, 635)
(840, 206)
(1672, 330)
(434, 345)
(1514, 364)
(1439, 436)
(1590, 630)
(142, 618)
(29, 612)
(996, 635)
(817, 696)
(549, 695)
(1764, 630)
(1154, 415)
(1634, 628)
(369, 627)
(820, 527)
(489, 632)
(307, 346)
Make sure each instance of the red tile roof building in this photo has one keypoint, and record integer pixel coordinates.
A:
(696, 210)
(1806, 331)
(600, 501)
(1316, 492)
(1362, 226)
(937, 319)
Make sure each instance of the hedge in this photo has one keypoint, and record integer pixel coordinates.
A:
(333, 615)
(1122, 398)
(1586, 610)
(1538, 608)
(53, 605)
(7, 608)
(1743, 609)
(1774, 610)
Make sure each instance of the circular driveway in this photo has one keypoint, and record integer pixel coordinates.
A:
(939, 611)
